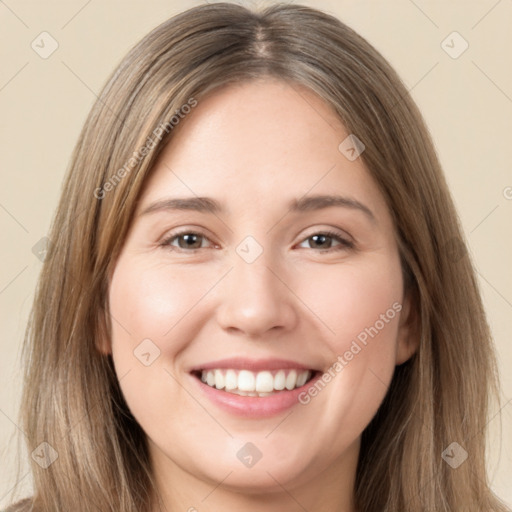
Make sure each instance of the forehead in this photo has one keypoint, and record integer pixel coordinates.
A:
(262, 141)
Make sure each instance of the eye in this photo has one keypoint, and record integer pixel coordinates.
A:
(186, 240)
(323, 240)
(191, 241)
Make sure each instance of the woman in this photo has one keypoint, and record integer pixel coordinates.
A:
(257, 295)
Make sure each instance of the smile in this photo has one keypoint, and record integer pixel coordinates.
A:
(253, 388)
(255, 384)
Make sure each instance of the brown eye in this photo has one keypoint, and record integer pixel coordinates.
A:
(324, 241)
(186, 240)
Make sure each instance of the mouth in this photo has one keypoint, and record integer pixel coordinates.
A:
(263, 383)
(254, 388)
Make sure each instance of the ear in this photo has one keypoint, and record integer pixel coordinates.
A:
(102, 341)
(408, 338)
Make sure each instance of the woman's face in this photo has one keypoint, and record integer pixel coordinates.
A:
(256, 292)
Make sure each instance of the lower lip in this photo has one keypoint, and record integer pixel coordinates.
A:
(253, 406)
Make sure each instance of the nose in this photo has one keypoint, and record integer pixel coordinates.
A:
(255, 299)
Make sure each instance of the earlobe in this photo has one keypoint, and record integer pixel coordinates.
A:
(102, 341)
(408, 338)
(103, 346)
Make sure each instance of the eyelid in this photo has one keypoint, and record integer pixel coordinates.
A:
(345, 240)
(168, 238)
(332, 232)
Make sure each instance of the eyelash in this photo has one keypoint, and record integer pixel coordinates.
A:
(344, 244)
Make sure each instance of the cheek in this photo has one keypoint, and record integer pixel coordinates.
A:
(347, 302)
(151, 308)
(151, 302)
(361, 305)
(148, 307)
(353, 300)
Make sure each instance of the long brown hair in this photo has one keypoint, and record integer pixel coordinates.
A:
(71, 398)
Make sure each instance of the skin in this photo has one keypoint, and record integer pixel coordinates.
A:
(254, 147)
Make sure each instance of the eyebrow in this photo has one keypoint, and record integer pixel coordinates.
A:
(304, 204)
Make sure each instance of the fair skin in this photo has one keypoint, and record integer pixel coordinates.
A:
(254, 147)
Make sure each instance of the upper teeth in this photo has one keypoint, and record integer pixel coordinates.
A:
(247, 382)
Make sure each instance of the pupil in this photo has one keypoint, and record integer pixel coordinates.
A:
(190, 239)
(321, 237)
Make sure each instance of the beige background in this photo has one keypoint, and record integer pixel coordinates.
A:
(467, 103)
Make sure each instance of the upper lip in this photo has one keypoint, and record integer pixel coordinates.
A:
(240, 363)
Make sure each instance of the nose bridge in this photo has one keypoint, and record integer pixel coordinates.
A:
(254, 298)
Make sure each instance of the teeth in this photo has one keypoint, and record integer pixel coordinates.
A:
(264, 382)
(247, 383)
(291, 380)
(301, 379)
(280, 380)
(231, 380)
(219, 379)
